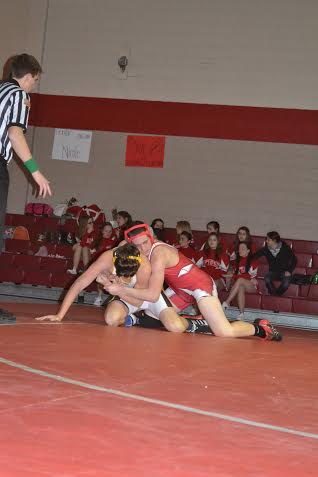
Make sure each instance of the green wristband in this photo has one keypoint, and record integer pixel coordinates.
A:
(31, 165)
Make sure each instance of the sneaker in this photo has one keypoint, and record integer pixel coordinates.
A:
(71, 271)
(98, 301)
(131, 320)
(271, 333)
(225, 305)
(241, 317)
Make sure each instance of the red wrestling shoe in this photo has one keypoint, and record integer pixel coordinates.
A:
(271, 333)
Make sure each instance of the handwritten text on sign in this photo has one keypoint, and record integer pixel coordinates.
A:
(145, 151)
(72, 145)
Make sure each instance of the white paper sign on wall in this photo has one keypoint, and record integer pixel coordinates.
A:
(72, 145)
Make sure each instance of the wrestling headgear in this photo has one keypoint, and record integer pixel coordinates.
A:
(138, 231)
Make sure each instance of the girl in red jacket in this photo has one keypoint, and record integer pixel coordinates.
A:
(244, 278)
(186, 248)
(215, 261)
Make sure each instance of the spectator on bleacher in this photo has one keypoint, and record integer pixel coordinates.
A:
(124, 222)
(183, 226)
(21, 78)
(281, 261)
(186, 248)
(82, 249)
(242, 235)
(215, 261)
(214, 227)
(158, 228)
(244, 278)
(106, 240)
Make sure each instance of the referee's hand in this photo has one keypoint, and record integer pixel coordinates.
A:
(43, 183)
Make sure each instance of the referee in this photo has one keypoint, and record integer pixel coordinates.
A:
(14, 112)
(24, 73)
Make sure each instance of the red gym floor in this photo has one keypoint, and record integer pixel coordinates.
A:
(82, 399)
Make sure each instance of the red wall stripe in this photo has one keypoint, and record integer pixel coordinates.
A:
(244, 123)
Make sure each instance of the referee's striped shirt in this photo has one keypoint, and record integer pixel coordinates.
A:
(14, 111)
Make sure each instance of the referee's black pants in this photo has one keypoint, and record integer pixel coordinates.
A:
(4, 189)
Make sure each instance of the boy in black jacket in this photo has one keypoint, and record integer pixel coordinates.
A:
(281, 261)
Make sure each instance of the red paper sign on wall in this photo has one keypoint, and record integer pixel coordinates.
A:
(145, 151)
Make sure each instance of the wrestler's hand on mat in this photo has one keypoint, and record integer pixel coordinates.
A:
(49, 318)
(43, 183)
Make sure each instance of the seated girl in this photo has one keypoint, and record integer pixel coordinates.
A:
(214, 227)
(124, 221)
(242, 235)
(82, 249)
(107, 239)
(244, 278)
(158, 228)
(186, 248)
(183, 226)
(215, 261)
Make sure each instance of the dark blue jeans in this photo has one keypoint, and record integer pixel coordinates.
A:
(277, 276)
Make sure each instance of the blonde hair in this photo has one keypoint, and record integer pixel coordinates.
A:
(183, 226)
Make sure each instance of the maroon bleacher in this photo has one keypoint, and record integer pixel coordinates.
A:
(302, 246)
(37, 277)
(19, 265)
(277, 303)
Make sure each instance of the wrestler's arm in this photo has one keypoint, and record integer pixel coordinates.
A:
(102, 263)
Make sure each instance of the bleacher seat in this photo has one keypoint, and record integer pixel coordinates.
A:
(11, 275)
(37, 277)
(26, 261)
(304, 290)
(313, 292)
(17, 246)
(25, 220)
(53, 264)
(289, 242)
(47, 223)
(259, 242)
(304, 260)
(8, 219)
(302, 246)
(305, 307)
(301, 270)
(292, 290)
(253, 300)
(315, 262)
(277, 303)
(62, 280)
(6, 260)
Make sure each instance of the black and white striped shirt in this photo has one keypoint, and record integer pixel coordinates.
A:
(14, 111)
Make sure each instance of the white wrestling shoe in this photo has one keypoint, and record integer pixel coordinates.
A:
(98, 301)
